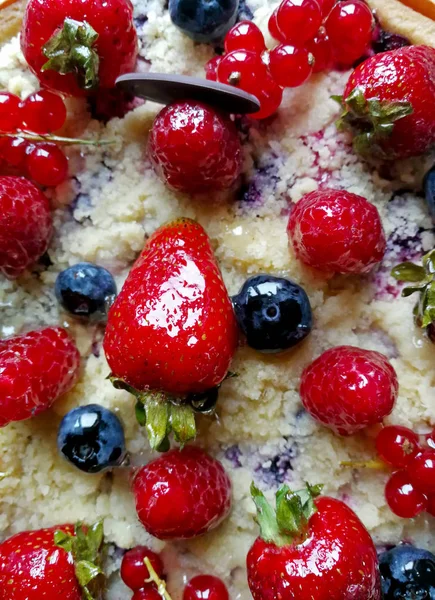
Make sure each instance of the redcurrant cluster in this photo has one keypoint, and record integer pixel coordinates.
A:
(410, 490)
(39, 114)
(313, 35)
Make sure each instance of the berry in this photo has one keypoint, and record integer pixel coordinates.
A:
(43, 112)
(298, 20)
(9, 112)
(348, 388)
(407, 572)
(134, 572)
(243, 69)
(321, 48)
(386, 41)
(91, 438)
(403, 82)
(211, 68)
(14, 151)
(431, 506)
(34, 567)
(422, 471)
(290, 66)
(35, 370)
(397, 446)
(273, 313)
(109, 104)
(349, 27)
(335, 230)
(205, 587)
(311, 537)
(149, 593)
(270, 98)
(245, 35)
(195, 149)
(192, 481)
(204, 402)
(273, 27)
(25, 225)
(326, 6)
(86, 290)
(430, 439)
(47, 164)
(202, 20)
(191, 327)
(429, 191)
(402, 497)
(73, 46)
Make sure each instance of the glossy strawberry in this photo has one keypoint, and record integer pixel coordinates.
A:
(35, 369)
(348, 388)
(311, 549)
(77, 45)
(172, 329)
(190, 480)
(388, 103)
(25, 225)
(50, 563)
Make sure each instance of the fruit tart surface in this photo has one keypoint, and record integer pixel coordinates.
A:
(113, 200)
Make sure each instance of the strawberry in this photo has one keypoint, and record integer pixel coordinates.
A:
(57, 562)
(75, 45)
(388, 103)
(190, 480)
(172, 330)
(311, 548)
(25, 225)
(35, 369)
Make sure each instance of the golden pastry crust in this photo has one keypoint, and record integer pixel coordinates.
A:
(11, 16)
(396, 17)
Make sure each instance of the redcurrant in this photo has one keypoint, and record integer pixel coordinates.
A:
(290, 66)
(205, 587)
(326, 6)
(397, 445)
(270, 97)
(47, 165)
(321, 48)
(134, 572)
(43, 112)
(13, 151)
(402, 497)
(431, 505)
(245, 35)
(299, 20)
(273, 27)
(211, 68)
(150, 593)
(9, 112)
(422, 471)
(349, 27)
(242, 69)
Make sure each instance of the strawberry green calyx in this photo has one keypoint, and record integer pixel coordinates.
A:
(161, 415)
(288, 522)
(70, 50)
(87, 549)
(422, 279)
(371, 121)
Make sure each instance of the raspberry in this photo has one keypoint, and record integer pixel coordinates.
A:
(194, 148)
(190, 480)
(25, 226)
(321, 48)
(337, 231)
(47, 165)
(245, 35)
(397, 445)
(403, 498)
(298, 20)
(134, 572)
(348, 388)
(43, 112)
(10, 118)
(290, 66)
(211, 68)
(205, 586)
(422, 472)
(349, 27)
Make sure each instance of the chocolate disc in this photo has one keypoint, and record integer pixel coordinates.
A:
(166, 88)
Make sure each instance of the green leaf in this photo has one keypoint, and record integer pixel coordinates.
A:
(266, 519)
(429, 262)
(338, 99)
(157, 418)
(356, 101)
(86, 572)
(183, 422)
(63, 540)
(141, 416)
(120, 384)
(164, 446)
(411, 289)
(428, 305)
(408, 271)
(289, 514)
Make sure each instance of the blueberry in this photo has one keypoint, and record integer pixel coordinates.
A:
(407, 573)
(389, 41)
(204, 402)
(274, 313)
(91, 438)
(429, 191)
(204, 20)
(86, 290)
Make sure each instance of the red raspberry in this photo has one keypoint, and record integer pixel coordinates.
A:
(190, 480)
(397, 445)
(194, 148)
(348, 388)
(205, 586)
(403, 498)
(10, 118)
(25, 225)
(134, 572)
(422, 472)
(298, 20)
(321, 48)
(349, 27)
(47, 165)
(245, 35)
(337, 231)
(211, 68)
(290, 66)
(35, 370)
(43, 112)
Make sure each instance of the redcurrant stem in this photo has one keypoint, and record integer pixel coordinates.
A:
(34, 137)
(364, 464)
(161, 585)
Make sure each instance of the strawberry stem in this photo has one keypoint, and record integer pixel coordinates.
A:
(35, 137)
(154, 578)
